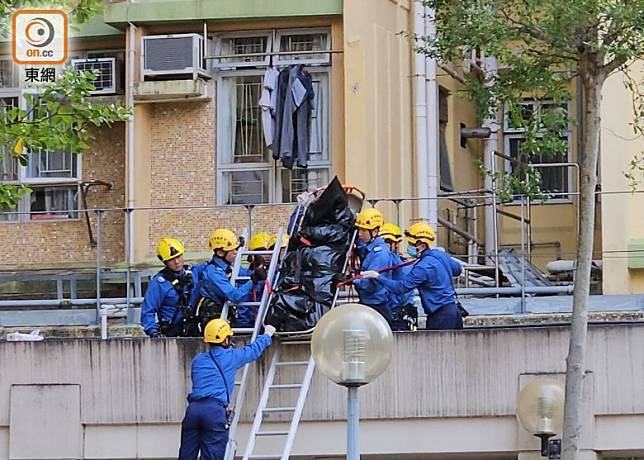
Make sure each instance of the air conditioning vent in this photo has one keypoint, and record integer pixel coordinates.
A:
(179, 55)
(105, 82)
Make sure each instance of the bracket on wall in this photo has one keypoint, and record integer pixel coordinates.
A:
(85, 186)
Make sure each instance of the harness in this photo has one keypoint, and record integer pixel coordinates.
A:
(182, 284)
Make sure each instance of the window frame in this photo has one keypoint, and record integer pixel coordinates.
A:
(235, 65)
(227, 70)
(510, 133)
(24, 205)
(312, 61)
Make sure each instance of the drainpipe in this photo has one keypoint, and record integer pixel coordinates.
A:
(491, 239)
(131, 62)
(420, 115)
(432, 123)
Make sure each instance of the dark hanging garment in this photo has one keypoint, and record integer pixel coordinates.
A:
(314, 262)
(289, 117)
(282, 83)
(293, 107)
(305, 98)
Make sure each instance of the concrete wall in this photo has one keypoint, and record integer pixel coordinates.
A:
(451, 392)
(622, 216)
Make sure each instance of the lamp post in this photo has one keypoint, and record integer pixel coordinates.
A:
(540, 411)
(351, 346)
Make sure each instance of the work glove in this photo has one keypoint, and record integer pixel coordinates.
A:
(269, 330)
(370, 274)
(156, 334)
(258, 275)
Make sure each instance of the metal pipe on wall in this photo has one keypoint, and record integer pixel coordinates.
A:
(131, 58)
(432, 122)
(420, 116)
(490, 66)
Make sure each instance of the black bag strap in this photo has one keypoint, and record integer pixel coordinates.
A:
(222, 376)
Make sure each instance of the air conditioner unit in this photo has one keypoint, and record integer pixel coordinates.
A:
(177, 55)
(105, 82)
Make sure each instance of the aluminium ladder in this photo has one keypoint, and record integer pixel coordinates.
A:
(262, 305)
(275, 369)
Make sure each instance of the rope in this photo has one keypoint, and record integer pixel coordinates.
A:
(382, 270)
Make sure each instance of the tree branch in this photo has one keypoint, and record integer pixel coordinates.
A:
(613, 65)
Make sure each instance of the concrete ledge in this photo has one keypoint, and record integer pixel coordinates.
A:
(190, 90)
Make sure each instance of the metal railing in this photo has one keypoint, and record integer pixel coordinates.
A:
(192, 224)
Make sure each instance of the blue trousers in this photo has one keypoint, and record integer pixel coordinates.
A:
(383, 309)
(204, 430)
(445, 318)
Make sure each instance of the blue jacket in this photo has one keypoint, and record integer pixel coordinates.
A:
(431, 278)
(161, 303)
(397, 275)
(208, 382)
(216, 285)
(378, 256)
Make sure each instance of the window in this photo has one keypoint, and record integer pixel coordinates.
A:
(52, 176)
(303, 40)
(247, 172)
(556, 179)
(8, 73)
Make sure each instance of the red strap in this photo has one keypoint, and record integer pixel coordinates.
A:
(305, 242)
(382, 270)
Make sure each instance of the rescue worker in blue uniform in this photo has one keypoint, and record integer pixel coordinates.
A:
(432, 275)
(205, 426)
(246, 314)
(403, 309)
(165, 305)
(374, 255)
(215, 287)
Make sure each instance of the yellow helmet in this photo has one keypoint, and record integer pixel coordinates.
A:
(369, 219)
(421, 231)
(169, 248)
(391, 233)
(225, 239)
(271, 243)
(259, 241)
(216, 331)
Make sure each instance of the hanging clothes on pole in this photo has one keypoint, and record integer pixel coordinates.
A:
(293, 107)
(268, 102)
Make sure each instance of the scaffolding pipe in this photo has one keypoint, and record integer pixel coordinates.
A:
(62, 303)
(516, 290)
(98, 265)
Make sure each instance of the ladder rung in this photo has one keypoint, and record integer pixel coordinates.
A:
(286, 386)
(293, 363)
(248, 304)
(237, 383)
(242, 278)
(279, 409)
(271, 433)
(296, 342)
(258, 253)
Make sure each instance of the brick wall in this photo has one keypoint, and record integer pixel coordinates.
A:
(39, 244)
(183, 174)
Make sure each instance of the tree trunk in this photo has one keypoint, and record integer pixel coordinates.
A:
(575, 362)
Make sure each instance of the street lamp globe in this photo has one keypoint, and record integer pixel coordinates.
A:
(540, 407)
(352, 344)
